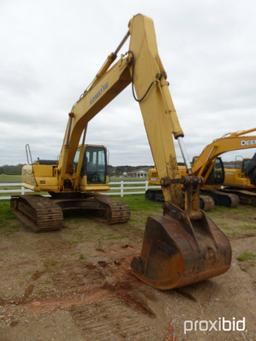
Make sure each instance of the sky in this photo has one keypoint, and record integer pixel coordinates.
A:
(52, 49)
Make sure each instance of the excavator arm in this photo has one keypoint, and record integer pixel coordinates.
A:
(204, 163)
(203, 167)
(238, 140)
(107, 84)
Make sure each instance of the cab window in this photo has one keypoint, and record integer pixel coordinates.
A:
(95, 165)
(217, 175)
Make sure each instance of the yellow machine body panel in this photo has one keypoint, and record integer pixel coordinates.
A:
(154, 180)
(235, 177)
(242, 174)
(39, 177)
(85, 187)
(44, 177)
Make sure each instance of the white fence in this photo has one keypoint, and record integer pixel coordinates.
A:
(11, 188)
(119, 188)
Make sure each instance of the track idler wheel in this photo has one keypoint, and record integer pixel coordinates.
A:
(176, 252)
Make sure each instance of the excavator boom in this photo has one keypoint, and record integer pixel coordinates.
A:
(183, 246)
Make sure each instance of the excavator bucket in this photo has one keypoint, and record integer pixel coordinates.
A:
(177, 252)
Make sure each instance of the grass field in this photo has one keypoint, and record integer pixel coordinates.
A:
(10, 178)
(140, 208)
(235, 222)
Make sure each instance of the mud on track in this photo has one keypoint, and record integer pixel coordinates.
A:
(76, 284)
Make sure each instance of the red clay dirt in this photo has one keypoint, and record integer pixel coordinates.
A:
(69, 286)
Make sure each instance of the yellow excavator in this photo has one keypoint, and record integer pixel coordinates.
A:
(183, 245)
(210, 167)
(240, 179)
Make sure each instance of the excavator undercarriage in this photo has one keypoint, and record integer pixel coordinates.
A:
(244, 196)
(37, 212)
(221, 198)
(46, 213)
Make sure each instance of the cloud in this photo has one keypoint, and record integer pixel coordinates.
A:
(51, 50)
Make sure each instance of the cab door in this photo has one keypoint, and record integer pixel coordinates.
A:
(95, 164)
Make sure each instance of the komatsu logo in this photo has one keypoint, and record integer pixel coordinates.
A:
(102, 89)
(248, 142)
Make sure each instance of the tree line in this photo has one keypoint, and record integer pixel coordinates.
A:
(11, 169)
(118, 170)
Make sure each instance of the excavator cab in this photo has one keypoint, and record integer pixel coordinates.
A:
(249, 168)
(95, 164)
(217, 175)
(90, 167)
(216, 170)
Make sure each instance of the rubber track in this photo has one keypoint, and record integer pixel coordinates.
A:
(37, 212)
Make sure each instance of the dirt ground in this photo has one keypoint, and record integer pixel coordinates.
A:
(76, 284)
